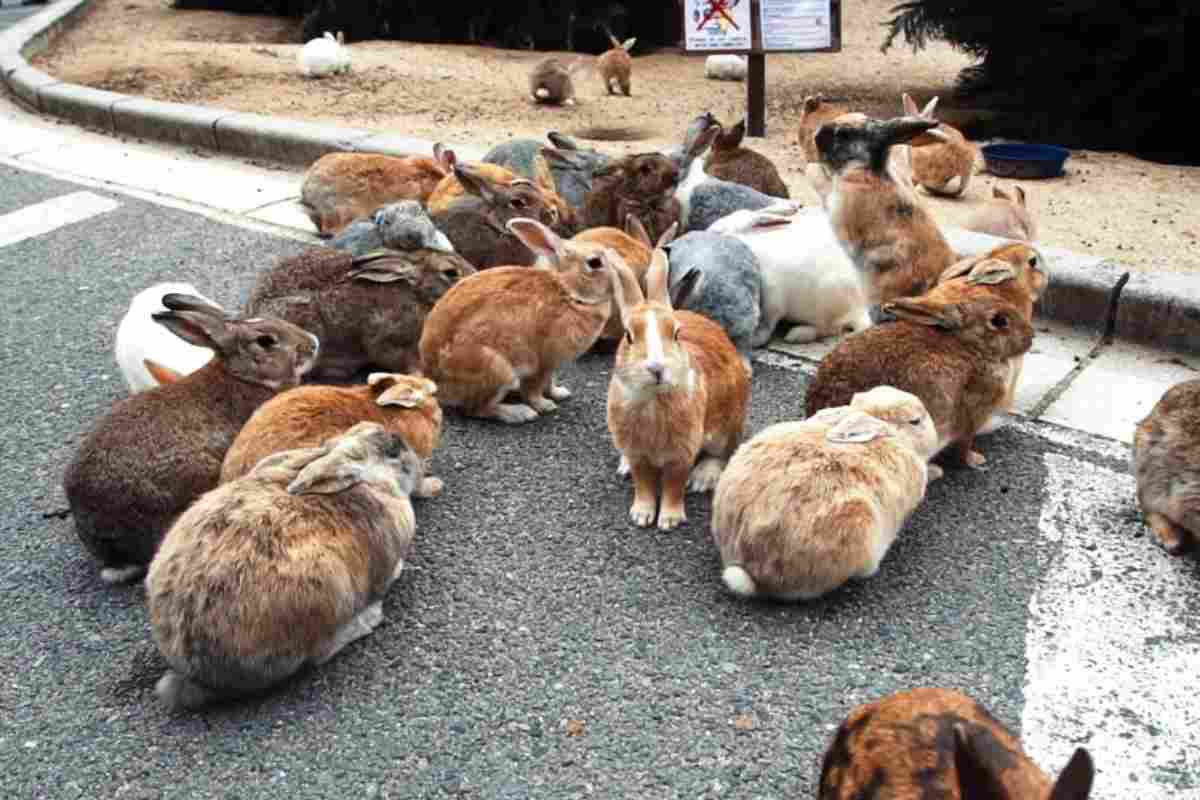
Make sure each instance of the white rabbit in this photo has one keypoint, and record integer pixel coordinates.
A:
(807, 278)
(325, 56)
(140, 338)
(726, 67)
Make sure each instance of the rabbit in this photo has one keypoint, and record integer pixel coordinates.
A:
(807, 278)
(567, 168)
(1166, 463)
(140, 338)
(1004, 217)
(954, 356)
(550, 82)
(1014, 272)
(642, 184)
(814, 113)
(943, 168)
(805, 506)
(616, 66)
(885, 228)
(730, 293)
(342, 187)
(368, 310)
(283, 567)
(507, 329)
(397, 226)
(324, 56)
(153, 453)
(725, 67)
(634, 247)
(678, 397)
(727, 160)
(704, 199)
(928, 742)
(453, 188)
(308, 415)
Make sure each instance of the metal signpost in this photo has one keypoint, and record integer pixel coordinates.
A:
(758, 27)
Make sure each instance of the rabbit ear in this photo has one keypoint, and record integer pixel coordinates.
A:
(1075, 780)
(562, 141)
(293, 460)
(536, 236)
(628, 44)
(686, 287)
(635, 228)
(328, 474)
(909, 105)
(927, 111)
(475, 183)
(668, 235)
(403, 396)
(162, 375)
(829, 414)
(657, 277)
(926, 312)
(341, 38)
(626, 291)
(1000, 194)
(857, 428)
(991, 272)
(959, 268)
(395, 389)
(702, 141)
(383, 266)
(1020, 196)
(444, 156)
(812, 103)
(174, 301)
(561, 158)
(200, 329)
(729, 139)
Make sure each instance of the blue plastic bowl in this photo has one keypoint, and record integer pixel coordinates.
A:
(1025, 160)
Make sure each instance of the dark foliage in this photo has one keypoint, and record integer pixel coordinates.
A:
(1095, 73)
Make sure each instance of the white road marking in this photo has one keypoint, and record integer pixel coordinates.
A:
(1111, 643)
(49, 215)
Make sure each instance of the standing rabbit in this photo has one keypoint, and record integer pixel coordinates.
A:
(308, 415)
(729, 161)
(281, 568)
(1166, 462)
(616, 66)
(367, 311)
(642, 184)
(324, 56)
(550, 82)
(140, 339)
(154, 453)
(1004, 216)
(507, 329)
(954, 356)
(805, 506)
(678, 398)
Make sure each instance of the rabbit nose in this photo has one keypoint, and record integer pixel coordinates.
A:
(657, 370)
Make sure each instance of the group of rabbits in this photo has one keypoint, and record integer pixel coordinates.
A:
(552, 79)
(271, 515)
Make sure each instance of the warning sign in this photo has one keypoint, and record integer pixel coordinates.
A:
(717, 25)
(762, 26)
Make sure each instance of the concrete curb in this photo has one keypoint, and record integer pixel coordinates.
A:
(1084, 291)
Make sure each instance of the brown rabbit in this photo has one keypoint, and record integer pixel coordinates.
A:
(805, 506)
(507, 329)
(642, 184)
(943, 168)
(155, 452)
(954, 356)
(282, 568)
(678, 398)
(616, 66)
(634, 247)
(927, 743)
(883, 225)
(815, 112)
(341, 187)
(729, 161)
(551, 81)
(454, 188)
(366, 310)
(1004, 217)
(1166, 462)
(308, 415)
(476, 223)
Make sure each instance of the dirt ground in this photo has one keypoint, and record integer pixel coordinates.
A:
(1143, 214)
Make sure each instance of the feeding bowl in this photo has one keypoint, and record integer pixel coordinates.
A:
(1025, 160)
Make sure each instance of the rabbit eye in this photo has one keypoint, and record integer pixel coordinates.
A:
(1033, 262)
(595, 262)
(629, 336)
(916, 423)
(675, 335)
(1000, 321)
(265, 341)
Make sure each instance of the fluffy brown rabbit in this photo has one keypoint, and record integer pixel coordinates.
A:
(341, 187)
(476, 224)
(678, 398)
(729, 161)
(642, 184)
(454, 187)
(815, 112)
(308, 415)
(927, 743)
(805, 506)
(551, 81)
(1013, 272)
(954, 356)
(366, 310)
(507, 329)
(1166, 463)
(943, 168)
(616, 66)
(281, 568)
(634, 247)
(882, 224)
(155, 452)
(1004, 216)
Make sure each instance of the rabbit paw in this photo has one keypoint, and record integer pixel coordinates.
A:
(543, 405)
(514, 413)
(705, 475)
(559, 393)
(935, 472)
(430, 487)
(671, 518)
(642, 514)
(123, 574)
(975, 459)
(623, 468)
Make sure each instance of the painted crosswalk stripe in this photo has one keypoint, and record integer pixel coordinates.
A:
(41, 218)
(1111, 653)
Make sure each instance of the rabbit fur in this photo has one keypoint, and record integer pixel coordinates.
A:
(728, 160)
(642, 184)
(397, 226)
(943, 168)
(139, 338)
(1004, 216)
(281, 568)
(1166, 463)
(324, 56)
(725, 67)
(569, 169)
(730, 291)
(551, 81)
(153, 453)
(616, 66)
(805, 506)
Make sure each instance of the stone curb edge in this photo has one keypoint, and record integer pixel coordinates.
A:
(1162, 310)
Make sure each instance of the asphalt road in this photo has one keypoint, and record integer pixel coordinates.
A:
(531, 601)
